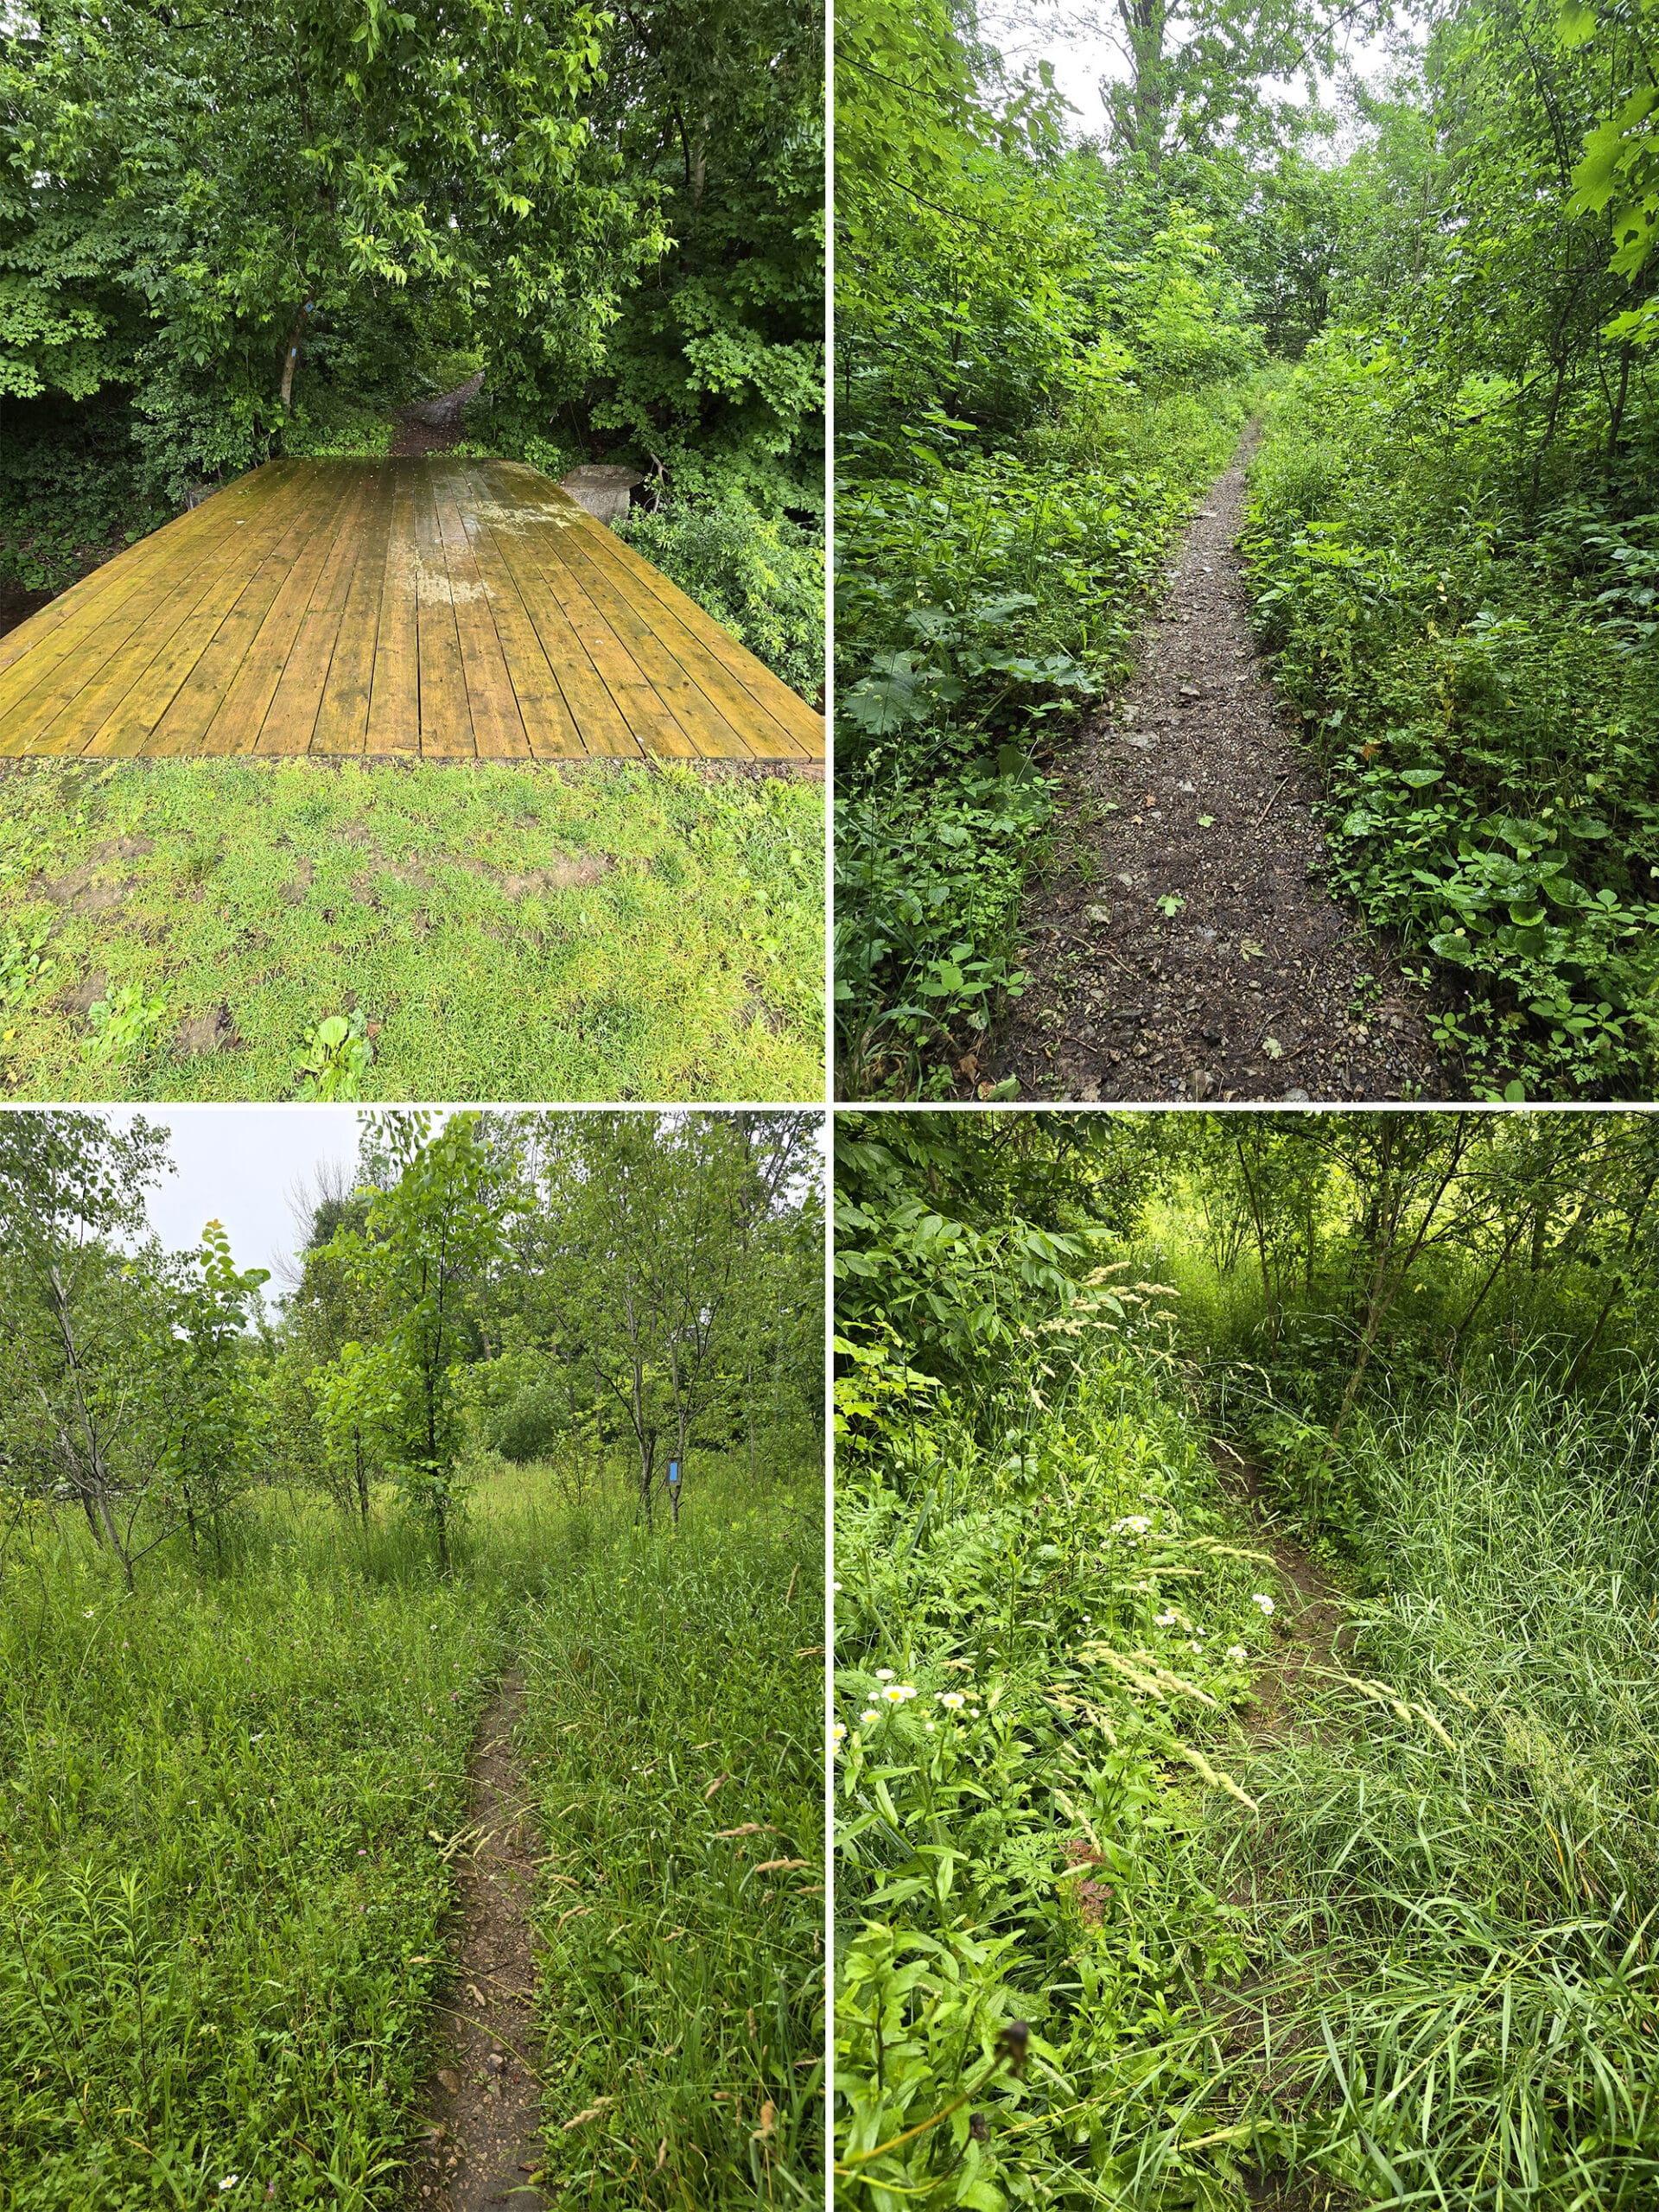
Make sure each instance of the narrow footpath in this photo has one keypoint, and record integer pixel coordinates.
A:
(1184, 945)
(483, 2140)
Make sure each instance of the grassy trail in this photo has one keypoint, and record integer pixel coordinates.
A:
(248, 1821)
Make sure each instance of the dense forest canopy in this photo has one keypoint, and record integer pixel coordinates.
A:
(226, 235)
(1433, 282)
(1246, 1697)
(591, 1294)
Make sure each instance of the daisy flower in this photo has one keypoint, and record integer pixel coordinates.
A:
(1237, 1654)
(952, 1701)
(898, 1693)
(1164, 1620)
(884, 1673)
(1265, 1602)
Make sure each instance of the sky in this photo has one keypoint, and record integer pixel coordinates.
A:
(1073, 39)
(240, 1165)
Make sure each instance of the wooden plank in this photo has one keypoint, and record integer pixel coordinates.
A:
(292, 715)
(499, 730)
(445, 714)
(171, 548)
(550, 730)
(571, 524)
(97, 627)
(769, 692)
(184, 728)
(342, 724)
(645, 713)
(171, 641)
(236, 722)
(604, 728)
(76, 692)
(771, 718)
(720, 735)
(394, 725)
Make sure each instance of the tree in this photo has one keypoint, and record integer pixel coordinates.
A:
(432, 1239)
(78, 1320)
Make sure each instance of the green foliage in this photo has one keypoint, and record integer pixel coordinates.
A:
(678, 1701)
(340, 1054)
(1039, 362)
(222, 1911)
(685, 960)
(530, 1425)
(1481, 699)
(762, 579)
(1379, 1935)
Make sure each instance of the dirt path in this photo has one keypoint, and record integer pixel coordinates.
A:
(1315, 1619)
(1259, 985)
(434, 425)
(484, 2140)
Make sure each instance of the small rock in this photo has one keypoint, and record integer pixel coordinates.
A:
(1200, 1083)
(1089, 1094)
(450, 2082)
(1189, 691)
(1296, 1097)
(1101, 914)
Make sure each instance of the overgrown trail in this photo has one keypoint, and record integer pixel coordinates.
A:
(1315, 1627)
(484, 2140)
(1190, 792)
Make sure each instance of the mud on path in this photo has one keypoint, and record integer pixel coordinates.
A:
(1259, 985)
(483, 2140)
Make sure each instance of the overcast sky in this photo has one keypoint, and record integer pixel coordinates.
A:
(1072, 38)
(238, 1164)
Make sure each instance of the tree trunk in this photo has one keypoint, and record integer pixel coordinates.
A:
(291, 357)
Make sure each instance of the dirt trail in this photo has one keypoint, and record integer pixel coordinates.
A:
(484, 2141)
(1316, 1627)
(1259, 985)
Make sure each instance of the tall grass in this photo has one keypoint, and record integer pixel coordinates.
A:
(675, 1701)
(1459, 1910)
(224, 1803)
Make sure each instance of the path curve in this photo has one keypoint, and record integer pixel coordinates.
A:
(1260, 985)
(483, 2140)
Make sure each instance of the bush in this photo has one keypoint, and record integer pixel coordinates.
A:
(529, 1427)
(1478, 684)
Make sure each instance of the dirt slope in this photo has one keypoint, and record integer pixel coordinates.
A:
(1258, 985)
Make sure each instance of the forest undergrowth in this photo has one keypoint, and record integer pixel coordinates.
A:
(1144, 1900)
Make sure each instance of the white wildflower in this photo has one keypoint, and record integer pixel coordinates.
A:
(952, 1701)
(1265, 1602)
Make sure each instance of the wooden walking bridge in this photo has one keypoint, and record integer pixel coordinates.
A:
(437, 607)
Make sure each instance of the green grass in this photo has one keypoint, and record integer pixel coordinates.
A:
(222, 1890)
(509, 932)
(677, 1693)
(1415, 1964)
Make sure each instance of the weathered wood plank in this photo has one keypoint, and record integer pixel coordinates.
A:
(498, 724)
(395, 696)
(457, 608)
(446, 712)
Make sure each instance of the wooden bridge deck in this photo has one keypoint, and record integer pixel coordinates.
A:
(446, 607)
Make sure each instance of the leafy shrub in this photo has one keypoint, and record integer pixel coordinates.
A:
(1477, 690)
(762, 578)
(530, 1426)
(979, 602)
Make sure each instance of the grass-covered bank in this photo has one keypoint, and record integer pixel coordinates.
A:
(1467, 655)
(229, 1798)
(182, 930)
(1284, 1922)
